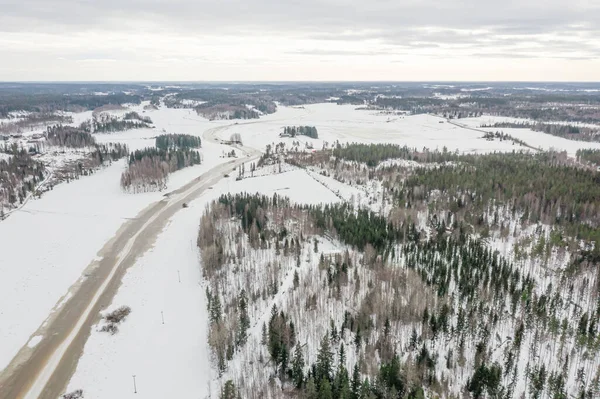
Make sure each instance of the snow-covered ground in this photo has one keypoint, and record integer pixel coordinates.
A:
(296, 184)
(346, 124)
(171, 359)
(48, 243)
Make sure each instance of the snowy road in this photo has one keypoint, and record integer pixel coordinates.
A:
(45, 371)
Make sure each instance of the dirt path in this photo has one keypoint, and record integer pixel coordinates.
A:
(45, 370)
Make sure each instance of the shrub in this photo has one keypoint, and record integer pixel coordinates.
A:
(114, 318)
(77, 394)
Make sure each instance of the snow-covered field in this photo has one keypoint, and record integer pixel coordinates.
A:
(535, 139)
(346, 124)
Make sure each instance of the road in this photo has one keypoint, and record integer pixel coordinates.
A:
(44, 371)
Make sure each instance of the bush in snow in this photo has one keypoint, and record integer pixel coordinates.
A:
(115, 317)
(74, 395)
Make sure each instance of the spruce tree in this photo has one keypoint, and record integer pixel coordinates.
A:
(298, 367)
(244, 320)
(324, 360)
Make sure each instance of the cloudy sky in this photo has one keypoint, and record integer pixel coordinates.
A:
(200, 40)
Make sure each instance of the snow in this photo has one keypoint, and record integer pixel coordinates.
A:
(346, 124)
(34, 341)
(535, 139)
(167, 358)
(297, 185)
(172, 360)
(50, 241)
(37, 237)
(75, 219)
(146, 347)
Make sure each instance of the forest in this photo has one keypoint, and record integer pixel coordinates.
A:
(51, 102)
(587, 155)
(226, 111)
(215, 103)
(112, 124)
(67, 136)
(19, 175)
(29, 121)
(371, 154)
(374, 154)
(405, 323)
(134, 115)
(542, 187)
(173, 141)
(540, 211)
(149, 168)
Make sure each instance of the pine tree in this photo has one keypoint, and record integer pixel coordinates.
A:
(298, 367)
(324, 360)
(311, 389)
(356, 384)
(244, 323)
(342, 381)
(325, 389)
(263, 339)
(296, 279)
(228, 390)
(215, 310)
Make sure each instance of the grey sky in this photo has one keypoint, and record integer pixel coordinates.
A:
(299, 40)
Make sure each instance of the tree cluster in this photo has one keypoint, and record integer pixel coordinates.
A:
(67, 136)
(149, 168)
(174, 141)
(110, 125)
(19, 175)
(589, 155)
(355, 227)
(502, 137)
(51, 102)
(542, 187)
(136, 116)
(571, 132)
(309, 131)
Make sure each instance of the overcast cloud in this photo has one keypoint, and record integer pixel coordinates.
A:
(299, 40)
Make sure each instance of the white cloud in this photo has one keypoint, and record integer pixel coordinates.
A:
(299, 40)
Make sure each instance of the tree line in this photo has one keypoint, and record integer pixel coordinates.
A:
(68, 136)
(173, 141)
(570, 132)
(19, 175)
(503, 136)
(540, 187)
(51, 102)
(589, 155)
(110, 125)
(137, 116)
